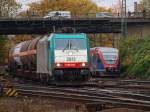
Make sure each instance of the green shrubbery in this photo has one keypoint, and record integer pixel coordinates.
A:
(135, 57)
(3, 51)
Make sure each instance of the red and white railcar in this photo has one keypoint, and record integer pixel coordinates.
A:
(104, 60)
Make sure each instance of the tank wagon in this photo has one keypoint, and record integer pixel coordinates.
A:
(52, 57)
(105, 61)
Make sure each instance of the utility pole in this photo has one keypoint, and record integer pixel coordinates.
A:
(135, 7)
(1, 8)
(124, 18)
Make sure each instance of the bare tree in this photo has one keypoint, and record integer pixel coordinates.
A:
(144, 6)
(117, 8)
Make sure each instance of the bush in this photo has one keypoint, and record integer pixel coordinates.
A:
(135, 57)
(3, 51)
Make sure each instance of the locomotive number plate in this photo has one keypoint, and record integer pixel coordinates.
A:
(71, 59)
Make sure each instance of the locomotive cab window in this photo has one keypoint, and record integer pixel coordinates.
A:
(70, 44)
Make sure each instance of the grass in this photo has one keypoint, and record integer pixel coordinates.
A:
(35, 105)
(46, 105)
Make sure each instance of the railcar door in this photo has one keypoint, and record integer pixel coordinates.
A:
(100, 65)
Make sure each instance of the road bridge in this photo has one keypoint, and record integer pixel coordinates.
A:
(86, 25)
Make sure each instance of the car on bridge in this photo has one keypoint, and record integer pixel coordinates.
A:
(58, 14)
(104, 15)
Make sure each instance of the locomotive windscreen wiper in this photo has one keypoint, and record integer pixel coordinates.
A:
(67, 46)
(73, 47)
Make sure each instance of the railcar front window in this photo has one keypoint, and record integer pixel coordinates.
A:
(71, 44)
(110, 59)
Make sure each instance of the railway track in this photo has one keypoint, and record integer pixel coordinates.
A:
(120, 83)
(89, 95)
(115, 92)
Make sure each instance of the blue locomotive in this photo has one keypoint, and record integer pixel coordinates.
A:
(52, 57)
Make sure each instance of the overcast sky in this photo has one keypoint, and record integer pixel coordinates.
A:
(106, 3)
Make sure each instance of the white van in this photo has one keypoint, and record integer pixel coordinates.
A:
(58, 14)
(104, 15)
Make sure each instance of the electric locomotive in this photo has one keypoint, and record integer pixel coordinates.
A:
(104, 61)
(52, 57)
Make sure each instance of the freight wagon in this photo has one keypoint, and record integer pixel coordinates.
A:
(52, 57)
(104, 61)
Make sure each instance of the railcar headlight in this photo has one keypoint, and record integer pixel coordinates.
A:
(83, 64)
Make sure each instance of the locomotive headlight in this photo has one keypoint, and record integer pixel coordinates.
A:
(83, 64)
(58, 64)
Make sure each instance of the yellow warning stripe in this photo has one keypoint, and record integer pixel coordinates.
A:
(11, 92)
(16, 94)
(8, 91)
